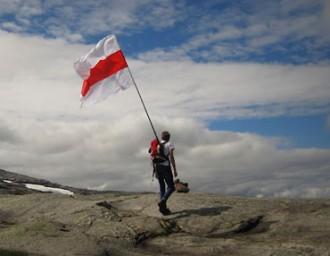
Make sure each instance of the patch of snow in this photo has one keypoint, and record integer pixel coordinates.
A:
(49, 189)
(7, 181)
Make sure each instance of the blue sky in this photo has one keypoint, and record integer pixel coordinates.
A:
(300, 131)
(252, 71)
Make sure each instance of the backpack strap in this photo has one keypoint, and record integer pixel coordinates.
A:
(161, 151)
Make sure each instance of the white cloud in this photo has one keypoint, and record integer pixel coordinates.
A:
(157, 55)
(212, 33)
(192, 89)
(234, 32)
(30, 8)
(162, 13)
(9, 6)
(21, 8)
(113, 154)
(47, 135)
(64, 33)
(10, 26)
(86, 18)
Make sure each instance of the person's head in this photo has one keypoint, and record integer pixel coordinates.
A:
(166, 135)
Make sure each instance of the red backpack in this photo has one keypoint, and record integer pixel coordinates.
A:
(156, 151)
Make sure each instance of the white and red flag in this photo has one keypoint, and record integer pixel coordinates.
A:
(104, 71)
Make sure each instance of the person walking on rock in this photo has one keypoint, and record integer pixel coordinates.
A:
(163, 159)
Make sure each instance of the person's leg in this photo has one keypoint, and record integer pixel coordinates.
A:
(161, 181)
(164, 174)
(168, 177)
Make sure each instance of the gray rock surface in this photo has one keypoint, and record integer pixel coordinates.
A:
(18, 188)
(117, 223)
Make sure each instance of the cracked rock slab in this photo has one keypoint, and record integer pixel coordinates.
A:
(130, 224)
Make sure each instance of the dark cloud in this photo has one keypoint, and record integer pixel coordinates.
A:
(8, 135)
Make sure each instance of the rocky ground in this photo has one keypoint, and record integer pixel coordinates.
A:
(114, 223)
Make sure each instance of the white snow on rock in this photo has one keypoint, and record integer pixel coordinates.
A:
(49, 189)
(7, 181)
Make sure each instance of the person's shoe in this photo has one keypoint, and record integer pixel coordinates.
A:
(162, 207)
(162, 204)
(167, 211)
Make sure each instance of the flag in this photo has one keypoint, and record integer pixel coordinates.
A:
(104, 71)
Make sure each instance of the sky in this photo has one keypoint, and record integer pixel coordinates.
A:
(242, 86)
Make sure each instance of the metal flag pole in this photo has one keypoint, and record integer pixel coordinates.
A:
(144, 106)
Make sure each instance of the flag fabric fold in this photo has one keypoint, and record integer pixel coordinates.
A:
(104, 71)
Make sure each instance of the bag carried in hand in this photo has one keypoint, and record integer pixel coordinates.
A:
(156, 151)
(181, 187)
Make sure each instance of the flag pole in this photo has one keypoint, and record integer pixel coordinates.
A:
(144, 106)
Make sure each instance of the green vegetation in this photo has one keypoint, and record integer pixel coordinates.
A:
(12, 253)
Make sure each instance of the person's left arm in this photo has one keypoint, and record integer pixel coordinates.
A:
(172, 160)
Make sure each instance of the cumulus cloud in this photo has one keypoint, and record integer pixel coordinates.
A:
(10, 26)
(43, 71)
(215, 31)
(235, 32)
(111, 155)
(63, 19)
(47, 135)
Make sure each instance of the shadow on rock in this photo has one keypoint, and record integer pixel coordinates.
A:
(15, 253)
(207, 211)
(243, 227)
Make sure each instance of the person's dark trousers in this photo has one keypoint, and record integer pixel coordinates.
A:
(164, 175)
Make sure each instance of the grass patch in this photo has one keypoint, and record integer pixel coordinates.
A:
(12, 253)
